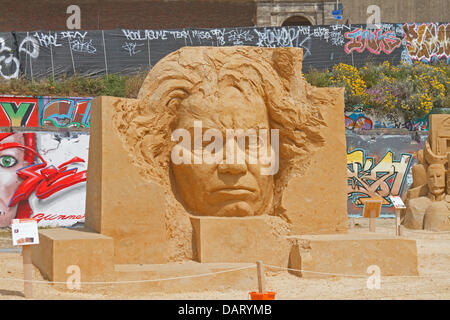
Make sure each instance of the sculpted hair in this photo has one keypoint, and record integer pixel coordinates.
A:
(146, 124)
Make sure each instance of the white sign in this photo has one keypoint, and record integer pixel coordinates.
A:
(24, 232)
(397, 202)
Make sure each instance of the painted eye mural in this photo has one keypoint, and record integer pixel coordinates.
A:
(8, 161)
(31, 185)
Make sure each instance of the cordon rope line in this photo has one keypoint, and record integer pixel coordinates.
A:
(353, 275)
(429, 233)
(447, 275)
(134, 281)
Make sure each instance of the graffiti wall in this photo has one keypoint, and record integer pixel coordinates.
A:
(43, 176)
(379, 165)
(43, 54)
(19, 112)
(64, 112)
(427, 41)
(45, 112)
(357, 120)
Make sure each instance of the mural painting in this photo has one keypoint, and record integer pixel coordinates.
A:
(42, 176)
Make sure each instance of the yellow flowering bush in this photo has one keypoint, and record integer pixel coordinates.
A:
(347, 76)
(411, 89)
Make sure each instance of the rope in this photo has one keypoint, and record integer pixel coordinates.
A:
(134, 281)
(348, 275)
(429, 233)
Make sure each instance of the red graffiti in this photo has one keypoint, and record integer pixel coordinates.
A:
(46, 181)
(375, 41)
(49, 217)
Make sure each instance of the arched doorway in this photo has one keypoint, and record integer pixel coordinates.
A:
(296, 21)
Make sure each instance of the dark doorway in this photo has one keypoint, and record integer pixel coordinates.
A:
(296, 21)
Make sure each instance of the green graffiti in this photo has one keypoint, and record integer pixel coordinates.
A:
(18, 116)
(68, 125)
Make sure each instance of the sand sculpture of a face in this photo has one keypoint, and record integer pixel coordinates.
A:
(436, 179)
(204, 95)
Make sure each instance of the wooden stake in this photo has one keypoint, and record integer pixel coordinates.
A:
(372, 221)
(397, 222)
(27, 271)
(261, 279)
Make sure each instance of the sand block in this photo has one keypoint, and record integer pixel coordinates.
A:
(234, 239)
(119, 202)
(60, 248)
(352, 254)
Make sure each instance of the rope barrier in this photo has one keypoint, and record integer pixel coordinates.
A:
(133, 281)
(446, 275)
(347, 275)
(426, 232)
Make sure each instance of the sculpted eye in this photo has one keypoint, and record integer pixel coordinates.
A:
(7, 161)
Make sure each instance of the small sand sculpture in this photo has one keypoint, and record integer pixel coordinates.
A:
(428, 199)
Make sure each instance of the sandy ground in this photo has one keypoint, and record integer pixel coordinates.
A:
(433, 281)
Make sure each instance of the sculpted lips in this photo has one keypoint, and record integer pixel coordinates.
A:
(233, 191)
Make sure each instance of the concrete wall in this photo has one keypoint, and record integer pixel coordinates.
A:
(398, 10)
(274, 12)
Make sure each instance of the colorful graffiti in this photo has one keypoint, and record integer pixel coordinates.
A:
(19, 112)
(36, 179)
(45, 112)
(357, 120)
(369, 178)
(427, 41)
(375, 41)
(65, 112)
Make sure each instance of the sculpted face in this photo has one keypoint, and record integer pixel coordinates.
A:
(10, 161)
(436, 179)
(223, 188)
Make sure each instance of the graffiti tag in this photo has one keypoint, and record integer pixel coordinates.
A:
(375, 41)
(368, 179)
(426, 41)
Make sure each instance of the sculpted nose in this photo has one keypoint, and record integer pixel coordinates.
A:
(232, 168)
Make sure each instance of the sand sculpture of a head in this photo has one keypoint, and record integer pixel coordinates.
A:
(436, 179)
(199, 104)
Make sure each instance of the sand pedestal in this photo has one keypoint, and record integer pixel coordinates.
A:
(323, 255)
(238, 240)
(352, 254)
(59, 249)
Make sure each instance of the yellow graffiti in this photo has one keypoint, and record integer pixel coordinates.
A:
(370, 181)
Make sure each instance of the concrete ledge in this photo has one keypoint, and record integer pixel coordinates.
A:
(59, 248)
(352, 254)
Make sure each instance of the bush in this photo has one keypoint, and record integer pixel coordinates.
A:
(412, 90)
(109, 85)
